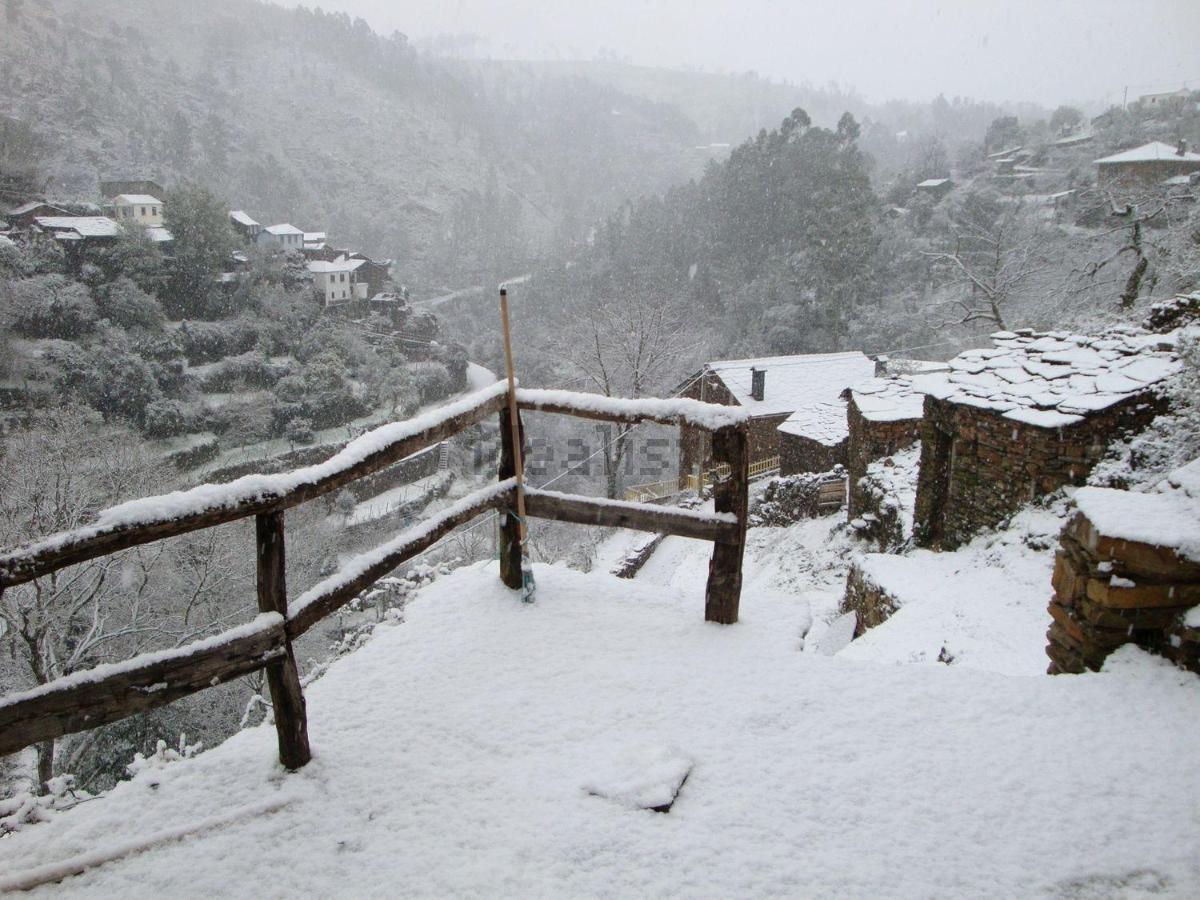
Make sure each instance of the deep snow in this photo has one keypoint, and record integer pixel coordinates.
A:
(454, 755)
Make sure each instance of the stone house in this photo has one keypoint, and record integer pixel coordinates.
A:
(772, 389)
(1020, 420)
(937, 188)
(23, 216)
(883, 416)
(244, 225)
(1150, 163)
(375, 273)
(145, 210)
(75, 230)
(337, 281)
(285, 236)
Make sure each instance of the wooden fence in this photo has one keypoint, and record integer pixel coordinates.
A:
(107, 693)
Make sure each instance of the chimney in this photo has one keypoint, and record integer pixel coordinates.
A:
(758, 382)
(881, 365)
(1181, 148)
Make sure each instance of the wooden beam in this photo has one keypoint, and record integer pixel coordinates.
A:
(287, 697)
(510, 529)
(35, 560)
(730, 495)
(338, 590)
(90, 699)
(619, 514)
(678, 411)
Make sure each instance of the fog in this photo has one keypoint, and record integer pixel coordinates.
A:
(1070, 51)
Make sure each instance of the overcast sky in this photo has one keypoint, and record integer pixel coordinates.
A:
(1042, 50)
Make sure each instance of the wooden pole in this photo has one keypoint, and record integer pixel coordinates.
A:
(291, 719)
(730, 495)
(509, 527)
(514, 435)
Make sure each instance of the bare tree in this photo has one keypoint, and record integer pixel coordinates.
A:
(110, 607)
(626, 346)
(993, 258)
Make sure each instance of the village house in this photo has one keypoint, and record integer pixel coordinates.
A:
(772, 389)
(284, 236)
(244, 225)
(336, 280)
(314, 240)
(1172, 100)
(1150, 163)
(78, 229)
(23, 216)
(375, 273)
(1032, 414)
(937, 188)
(139, 209)
(883, 417)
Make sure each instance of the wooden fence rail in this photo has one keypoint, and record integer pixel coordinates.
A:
(113, 691)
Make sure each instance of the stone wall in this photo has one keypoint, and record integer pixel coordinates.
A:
(978, 468)
(800, 455)
(870, 440)
(1110, 592)
(870, 603)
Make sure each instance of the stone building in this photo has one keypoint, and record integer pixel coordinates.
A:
(813, 439)
(1150, 163)
(1009, 424)
(772, 389)
(883, 416)
(1128, 572)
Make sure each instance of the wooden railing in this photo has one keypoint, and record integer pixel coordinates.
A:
(109, 692)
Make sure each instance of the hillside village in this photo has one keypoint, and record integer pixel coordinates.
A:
(835, 531)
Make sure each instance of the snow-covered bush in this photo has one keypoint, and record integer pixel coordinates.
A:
(26, 808)
(51, 306)
(163, 756)
(165, 418)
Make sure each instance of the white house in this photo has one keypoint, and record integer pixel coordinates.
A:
(337, 281)
(143, 209)
(285, 236)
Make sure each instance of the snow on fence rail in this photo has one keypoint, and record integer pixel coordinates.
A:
(114, 691)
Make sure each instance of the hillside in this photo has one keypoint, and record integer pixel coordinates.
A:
(312, 118)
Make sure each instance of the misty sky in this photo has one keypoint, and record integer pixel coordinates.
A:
(1042, 50)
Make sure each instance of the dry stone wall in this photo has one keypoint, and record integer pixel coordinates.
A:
(1109, 592)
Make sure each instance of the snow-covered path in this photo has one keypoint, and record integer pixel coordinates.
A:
(452, 753)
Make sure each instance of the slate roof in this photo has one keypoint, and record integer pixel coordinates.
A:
(1151, 152)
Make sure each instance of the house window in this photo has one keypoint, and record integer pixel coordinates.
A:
(143, 210)
(154, 210)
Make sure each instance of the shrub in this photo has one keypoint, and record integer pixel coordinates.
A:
(165, 418)
(209, 341)
(51, 306)
(124, 303)
(431, 380)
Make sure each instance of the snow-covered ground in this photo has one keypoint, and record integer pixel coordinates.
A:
(456, 754)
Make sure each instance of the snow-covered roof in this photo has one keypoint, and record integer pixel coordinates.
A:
(889, 399)
(129, 199)
(30, 207)
(823, 421)
(314, 236)
(1151, 152)
(1072, 139)
(341, 264)
(793, 381)
(242, 218)
(1178, 181)
(282, 228)
(84, 226)
(158, 234)
(933, 182)
(1056, 378)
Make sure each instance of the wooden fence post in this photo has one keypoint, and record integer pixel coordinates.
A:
(510, 528)
(730, 495)
(291, 720)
